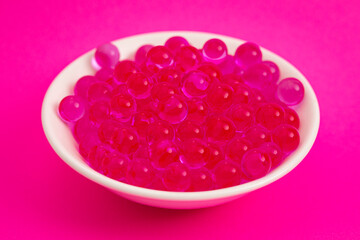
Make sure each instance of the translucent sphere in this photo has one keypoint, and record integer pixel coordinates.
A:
(188, 57)
(96, 157)
(270, 115)
(195, 153)
(82, 86)
(174, 110)
(275, 71)
(219, 128)
(259, 76)
(141, 121)
(107, 55)
(176, 177)
(198, 110)
(255, 164)
(115, 166)
(189, 129)
(99, 91)
(243, 117)
(159, 131)
(174, 44)
(124, 69)
(122, 107)
(140, 173)
(99, 112)
(292, 118)
(214, 50)
(87, 143)
(196, 84)
(286, 137)
(274, 152)
(139, 85)
(242, 94)
(233, 80)
(104, 74)
(236, 148)
(220, 97)
(248, 54)
(228, 65)
(163, 91)
(211, 70)
(107, 129)
(82, 127)
(164, 153)
(160, 57)
(201, 180)
(72, 108)
(227, 174)
(257, 135)
(125, 140)
(140, 55)
(216, 155)
(290, 91)
(171, 76)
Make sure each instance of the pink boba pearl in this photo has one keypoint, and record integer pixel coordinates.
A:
(216, 155)
(227, 174)
(257, 97)
(141, 121)
(219, 128)
(104, 74)
(233, 80)
(176, 177)
(82, 86)
(198, 110)
(120, 89)
(201, 180)
(72, 108)
(270, 115)
(220, 97)
(140, 55)
(290, 91)
(188, 57)
(171, 76)
(174, 110)
(228, 65)
(107, 130)
(236, 148)
(259, 76)
(189, 129)
(242, 115)
(257, 135)
(99, 91)
(214, 50)
(159, 57)
(139, 85)
(286, 137)
(275, 71)
(248, 54)
(163, 153)
(211, 70)
(124, 69)
(90, 140)
(82, 127)
(99, 112)
(175, 43)
(195, 153)
(140, 173)
(125, 140)
(274, 152)
(196, 84)
(163, 91)
(122, 107)
(255, 164)
(292, 118)
(115, 166)
(159, 131)
(242, 94)
(107, 55)
(96, 157)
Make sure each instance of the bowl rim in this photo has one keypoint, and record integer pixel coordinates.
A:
(128, 189)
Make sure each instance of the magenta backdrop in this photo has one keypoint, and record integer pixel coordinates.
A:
(44, 199)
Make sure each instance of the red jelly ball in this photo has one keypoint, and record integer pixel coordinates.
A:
(107, 131)
(140, 173)
(125, 140)
(139, 85)
(274, 152)
(216, 155)
(286, 137)
(104, 74)
(72, 108)
(236, 148)
(90, 140)
(99, 112)
(163, 91)
(201, 180)
(233, 80)
(195, 152)
(122, 107)
(83, 127)
(170, 75)
(292, 118)
(219, 128)
(141, 121)
(82, 86)
(220, 97)
(228, 65)
(211, 70)
(187, 57)
(258, 76)
(248, 54)
(227, 174)
(107, 55)
(257, 97)
(99, 91)
(124, 69)
(214, 50)
(243, 94)
(189, 129)
(97, 155)
(198, 110)
(173, 110)
(176, 43)
(257, 135)
(176, 177)
(275, 71)
(115, 166)
(140, 55)
(196, 84)
(255, 164)
(243, 117)
(160, 57)
(163, 153)
(270, 115)
(159, 131)
(120, 89)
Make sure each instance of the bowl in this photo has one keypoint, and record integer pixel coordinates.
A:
(62, 141)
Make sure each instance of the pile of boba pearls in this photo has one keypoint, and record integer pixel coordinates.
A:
(179, 118)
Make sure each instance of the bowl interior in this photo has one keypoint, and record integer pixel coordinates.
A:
(62, 141)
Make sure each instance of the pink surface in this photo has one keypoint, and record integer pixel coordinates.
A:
(44, 199)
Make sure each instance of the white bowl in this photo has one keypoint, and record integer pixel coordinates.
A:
(62, 141)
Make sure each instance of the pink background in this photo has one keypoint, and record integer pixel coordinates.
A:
(42, 198)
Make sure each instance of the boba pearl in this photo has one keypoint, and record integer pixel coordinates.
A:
(99, 112)
(227, 174)
(187, 57)
(72, 108)
(139, 85)
(220, 97)
(201, 180)
(163, 91)
(275, 71)
(104, 74)
(270, 115)
(211, 70)
(195, 152)
(214, 50)
(242, 116)
(90, 140)
(216, 155)
(255, 164)
(142, 152)
(248, 54)
(82, 127)
(257, 97)
(198, 110)
(115, 166)
(157, 183)
(163, 153)
(228, 65)
(159, 131)
(274, 152)
(107, 55)
(140, 173)
(141, 121)
(99, 91)
(176, 177)
(257, 135)
(125, 140)
(97, 155)
(242, 94)
(122, 107)
(120, 89)
(107, 130)
(174, 44)
(124, 69)
(291, 118)
(82, 86)
(174, 110)
(290, 91)
(236, 148)
(140, 55)
(170, 75)
(219, 128)
(233, 80)
(189, 129)
(196, 84)
(258, 76)
(159, 57)
(286, 137)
